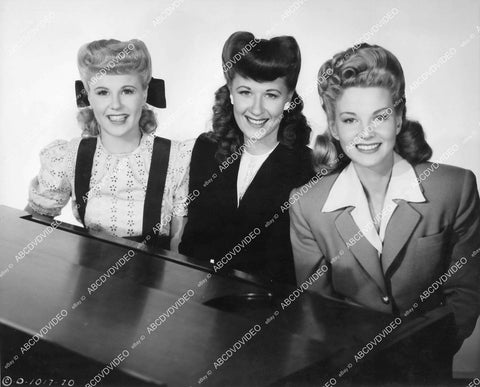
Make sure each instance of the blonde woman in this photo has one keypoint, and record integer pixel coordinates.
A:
(122, 179)
(386, 231)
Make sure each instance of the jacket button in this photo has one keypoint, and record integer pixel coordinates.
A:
(386, 300)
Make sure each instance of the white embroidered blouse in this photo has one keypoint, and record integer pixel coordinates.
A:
(118, 185)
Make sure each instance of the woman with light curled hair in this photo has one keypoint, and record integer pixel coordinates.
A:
(122, 179)
(385, 221)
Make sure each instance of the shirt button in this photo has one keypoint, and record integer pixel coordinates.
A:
(386, 300)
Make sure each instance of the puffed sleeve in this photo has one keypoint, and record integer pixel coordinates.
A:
(50, 190)
(181, 171)
(307, 255)
(463, 289)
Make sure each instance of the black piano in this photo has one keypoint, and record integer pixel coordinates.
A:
(80, 308)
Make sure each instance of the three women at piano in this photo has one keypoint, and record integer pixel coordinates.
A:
(385, 228)
(395, 230)
(121, 178)
(247, 165)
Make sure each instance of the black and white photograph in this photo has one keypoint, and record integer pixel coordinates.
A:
(234, 193)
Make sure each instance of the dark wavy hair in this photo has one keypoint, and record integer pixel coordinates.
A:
(101, 57)
(366, 65)
(261, 60)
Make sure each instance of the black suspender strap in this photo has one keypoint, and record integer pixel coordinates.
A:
(152, 208)
(83, 172)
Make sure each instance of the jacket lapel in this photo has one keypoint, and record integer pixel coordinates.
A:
(229, 185)
(399, 229)
(363, 251)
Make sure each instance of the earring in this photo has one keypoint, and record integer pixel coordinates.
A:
(231, 99)
(286, 106)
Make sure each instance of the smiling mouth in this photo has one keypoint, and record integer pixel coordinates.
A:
(256, 123)
(368, 148)
(117, 119)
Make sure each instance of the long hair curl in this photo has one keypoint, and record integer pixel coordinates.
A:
(261, 60)
(365, 66)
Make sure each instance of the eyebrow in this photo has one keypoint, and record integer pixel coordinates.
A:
(105, 87)
(249, 88)
(379, 110)
(375, 112)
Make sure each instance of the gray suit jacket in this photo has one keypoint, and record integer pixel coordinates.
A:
(422, 244)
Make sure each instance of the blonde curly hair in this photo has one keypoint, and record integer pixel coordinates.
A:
(111, 56)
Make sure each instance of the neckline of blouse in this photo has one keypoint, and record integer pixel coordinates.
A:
(143, 145)
(258, 157)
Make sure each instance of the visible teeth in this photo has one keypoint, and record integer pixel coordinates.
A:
(256, 122)
(117, 118)
(368, 147)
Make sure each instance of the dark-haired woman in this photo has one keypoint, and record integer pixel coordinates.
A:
(386, 222)
(244, 169)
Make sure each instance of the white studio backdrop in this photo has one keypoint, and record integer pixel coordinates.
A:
(437, 42)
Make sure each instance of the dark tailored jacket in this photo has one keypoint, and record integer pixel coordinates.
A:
(422, 241)
(215, 224)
